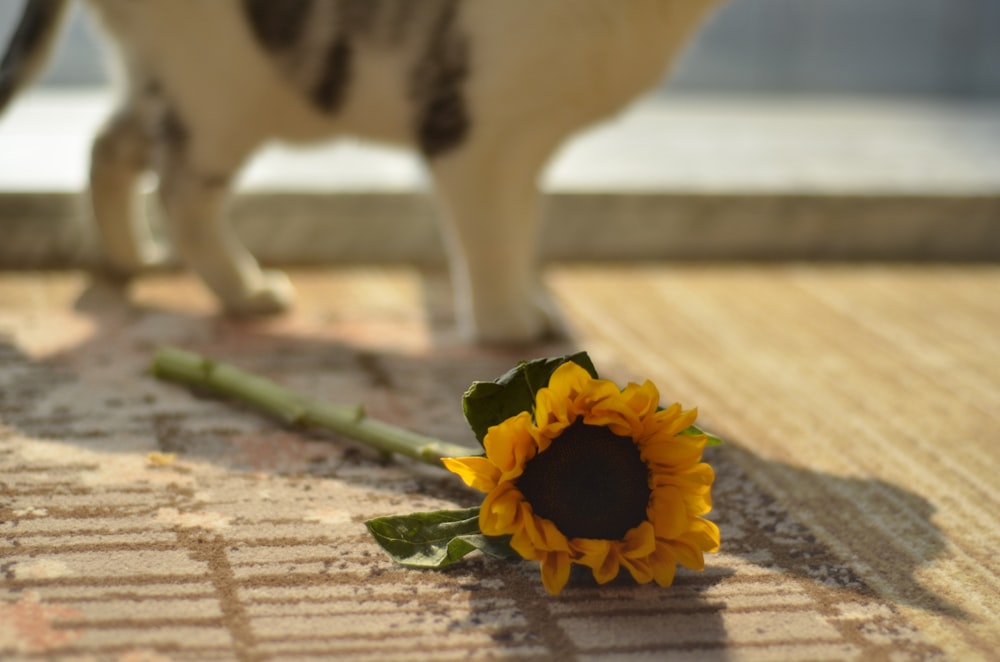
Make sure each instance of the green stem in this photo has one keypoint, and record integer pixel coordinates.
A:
(296, 409)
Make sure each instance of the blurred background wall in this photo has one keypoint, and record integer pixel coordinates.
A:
(939, 48)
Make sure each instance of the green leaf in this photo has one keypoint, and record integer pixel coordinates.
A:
(490, 403)
(437, 539)
(712, 439)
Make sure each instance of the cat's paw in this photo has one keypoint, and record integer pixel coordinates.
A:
(273, 294)
(534, 320)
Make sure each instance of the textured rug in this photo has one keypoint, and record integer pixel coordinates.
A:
(857, 493)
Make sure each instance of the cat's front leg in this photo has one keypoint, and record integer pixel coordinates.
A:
(194, 199)
(120, 155)
(491, 206)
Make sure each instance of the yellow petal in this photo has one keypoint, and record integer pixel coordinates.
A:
(477, 472)
(639, 542)
(601, 556)
(591, 552)
(701, 475)
(668, 413)
(663, 565)
(552, 416)
(597, 390)
(668, 512)
(698, 504)
(634, 552)
(659, 421)
(683, 421)
(642, 399)
(601, 398)
(689, 547)
(672, 420)
(614, 413)
(555, 571)
(510, 444)
(521, 543)
(703, 534)
(608, 570)
(551, 412)
(697, 479)
(687, 555)
(693, 502)
(543, 533)
(676, 453)
(500, 512)
(554, 538)
(640, 569)
(568, 381)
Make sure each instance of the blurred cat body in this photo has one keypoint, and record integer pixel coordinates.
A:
(485, 90)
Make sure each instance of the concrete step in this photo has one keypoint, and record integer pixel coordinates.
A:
(674, 177)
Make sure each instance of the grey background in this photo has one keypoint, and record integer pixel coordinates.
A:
(941, 48)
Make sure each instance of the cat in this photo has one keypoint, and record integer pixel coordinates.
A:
(485, 90)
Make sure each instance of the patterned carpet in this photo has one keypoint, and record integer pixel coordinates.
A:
(857, 495)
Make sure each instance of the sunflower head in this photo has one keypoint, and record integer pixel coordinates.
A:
(598, 476)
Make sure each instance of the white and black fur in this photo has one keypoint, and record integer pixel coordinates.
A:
(486, 90)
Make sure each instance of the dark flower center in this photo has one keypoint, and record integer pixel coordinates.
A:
(590, 482)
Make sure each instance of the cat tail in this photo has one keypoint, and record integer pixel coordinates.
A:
(30, 45)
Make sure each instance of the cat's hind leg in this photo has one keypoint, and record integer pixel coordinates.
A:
(194, 198)
(121, 154)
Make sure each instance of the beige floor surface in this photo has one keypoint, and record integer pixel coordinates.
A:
(857, 496)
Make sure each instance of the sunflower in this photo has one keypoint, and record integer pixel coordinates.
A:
(598, 476)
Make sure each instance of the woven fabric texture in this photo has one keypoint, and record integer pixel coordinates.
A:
(857, 494)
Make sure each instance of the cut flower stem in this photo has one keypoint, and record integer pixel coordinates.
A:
(293, 408)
